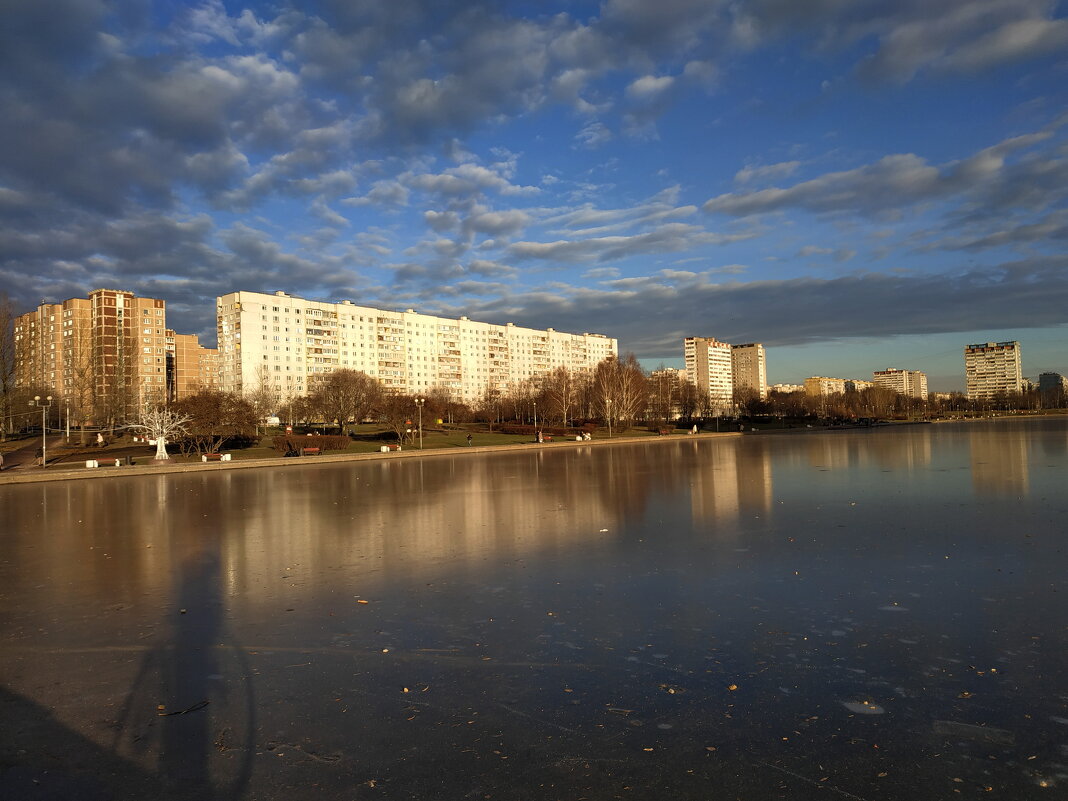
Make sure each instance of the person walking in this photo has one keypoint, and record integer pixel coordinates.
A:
(468, 439)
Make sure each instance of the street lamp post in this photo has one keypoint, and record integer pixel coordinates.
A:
(535, 417)
(419, 403)
(66, 403)
(45, 404)
(608, 403)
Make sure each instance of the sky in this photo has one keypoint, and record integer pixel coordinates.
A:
(858, 184)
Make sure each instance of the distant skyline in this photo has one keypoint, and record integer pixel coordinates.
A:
(858, 184)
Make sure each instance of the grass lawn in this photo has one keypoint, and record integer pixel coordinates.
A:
(368, 441)
(435, 438)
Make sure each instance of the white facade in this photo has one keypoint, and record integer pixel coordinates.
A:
(709, 368)
(991, 368)
(287, 341)
(912, 383)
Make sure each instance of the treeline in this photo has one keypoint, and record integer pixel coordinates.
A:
(617, 394)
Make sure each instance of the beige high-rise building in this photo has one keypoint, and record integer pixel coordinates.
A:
(749, 368)
(103, 355)
(111, 342)
(709, 368)
(286, 342)
(190, 366)
(41, 360)
(912, 383)
(992, 368)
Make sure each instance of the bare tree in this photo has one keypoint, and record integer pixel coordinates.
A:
(490, 406)
(663, 394)
(689, 399)
(214, 416)
(396, 411)
(80, 378)
(443, 402)
(519, 400)
(345, 395)
(746, 399)
(161, 424)
(620, 390)
(560, 395)
(264, 398)
(7, 364)
(114, 375)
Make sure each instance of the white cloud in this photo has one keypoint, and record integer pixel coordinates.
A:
(752, 174)
(593, 135)
(649, 87)
(668, 238)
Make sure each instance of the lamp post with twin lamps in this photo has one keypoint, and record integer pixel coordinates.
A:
(45, 404)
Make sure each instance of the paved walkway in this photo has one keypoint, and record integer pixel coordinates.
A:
(25, 458)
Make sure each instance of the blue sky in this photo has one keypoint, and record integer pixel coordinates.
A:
(856, 183)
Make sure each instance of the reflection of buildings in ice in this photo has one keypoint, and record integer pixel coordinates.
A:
(999, 460)
(830, 451)
(321, 522)
(901, 449)
(405, 515)
(1055, 443)
(378, 520)
(729, 479)
(886, 448)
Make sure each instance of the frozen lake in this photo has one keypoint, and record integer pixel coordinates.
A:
(853, 614)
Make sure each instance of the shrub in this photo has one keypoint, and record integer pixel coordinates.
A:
(328, 442)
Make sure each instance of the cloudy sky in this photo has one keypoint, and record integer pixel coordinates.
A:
(856, 183)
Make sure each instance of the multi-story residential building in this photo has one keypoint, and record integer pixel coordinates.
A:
(709, 368)
(108, 345)
(40, 362)
(912, 383)
(786, 388)
(190, 366)
(1052, 382)
(285, 343)
(819, 386)
(749, 368)
(992, 368)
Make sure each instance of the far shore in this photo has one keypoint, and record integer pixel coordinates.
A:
(71, 472)
(146, 466)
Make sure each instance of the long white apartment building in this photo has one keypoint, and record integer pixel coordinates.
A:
(286, 342)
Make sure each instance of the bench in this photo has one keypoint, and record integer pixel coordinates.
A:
(663, 431)
(310, 451)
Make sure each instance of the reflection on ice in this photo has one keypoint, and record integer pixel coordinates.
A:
(729, 612)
